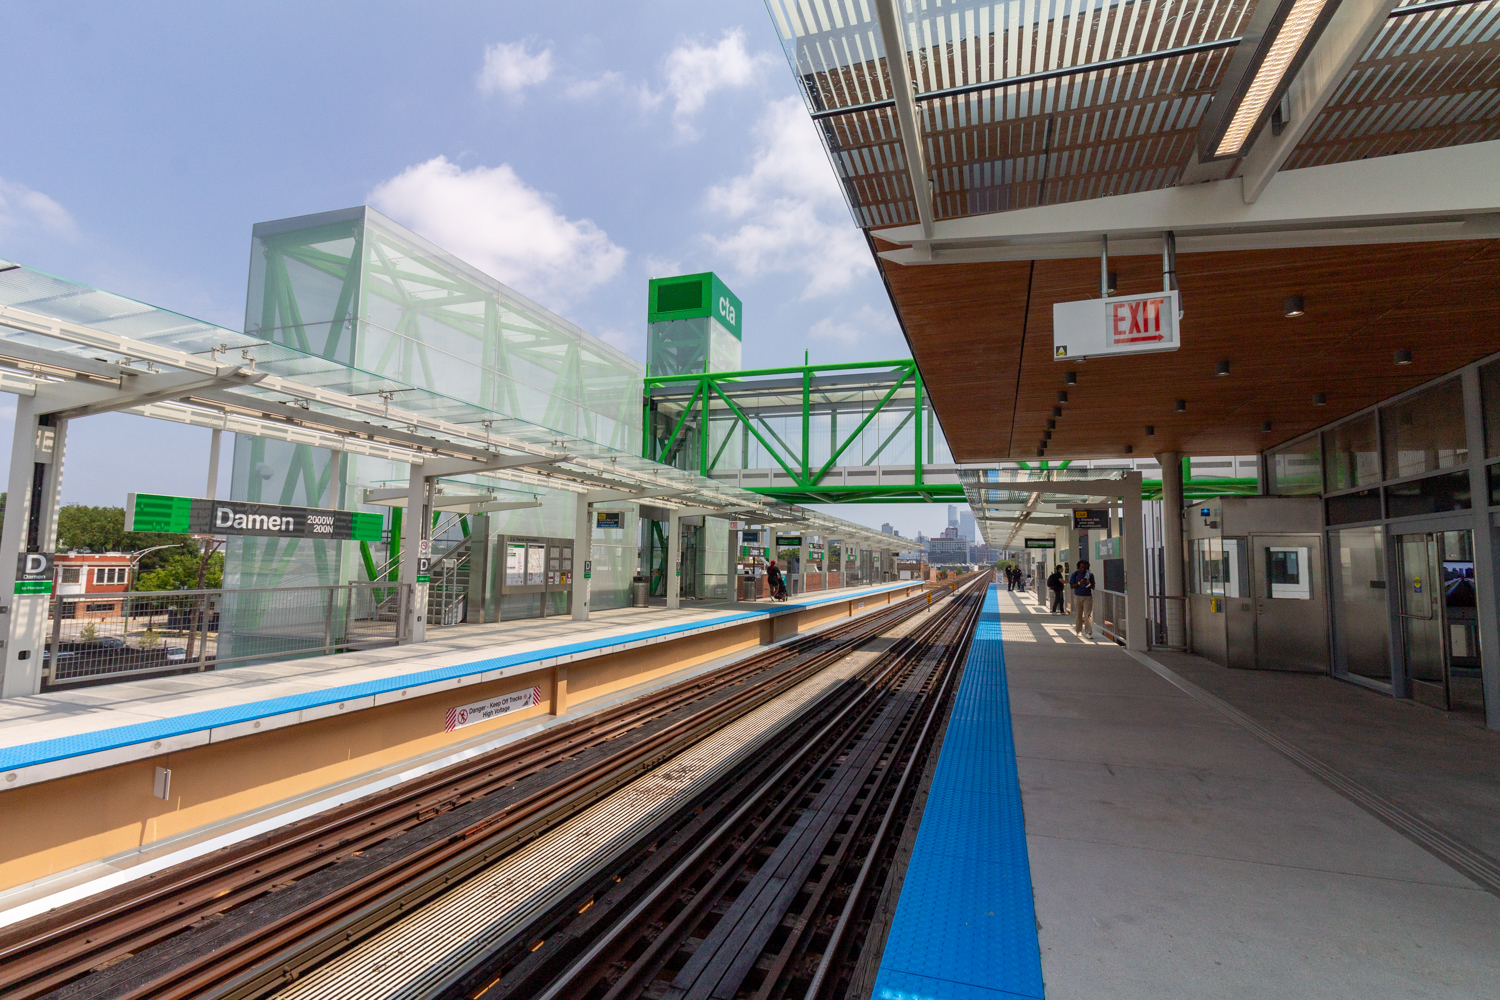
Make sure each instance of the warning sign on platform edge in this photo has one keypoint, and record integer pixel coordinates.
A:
(484, 711)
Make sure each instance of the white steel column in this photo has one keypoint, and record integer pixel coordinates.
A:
(415, 530)
(674, 559)
(802, 563)
(36, 461)
(583, 555)
(214, 441)
(1485, 551)
(1173, 558)
(1134, 543)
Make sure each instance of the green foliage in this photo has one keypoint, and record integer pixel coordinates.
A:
(150, 639)
(180, 572)
(89, 632)
(102, 529)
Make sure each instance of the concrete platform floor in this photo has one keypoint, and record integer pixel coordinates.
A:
(1175, 854)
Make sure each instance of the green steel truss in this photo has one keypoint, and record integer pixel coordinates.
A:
(799, 424)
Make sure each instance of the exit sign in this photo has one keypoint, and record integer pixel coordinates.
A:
(1124, 324)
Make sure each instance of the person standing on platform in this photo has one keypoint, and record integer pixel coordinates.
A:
(1056, 583)
(1082, 582)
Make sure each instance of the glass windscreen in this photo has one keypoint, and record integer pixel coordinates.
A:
(1425, 432)
(1218, 566)
(1361, 609)
(1296, 469)
(1351, 455)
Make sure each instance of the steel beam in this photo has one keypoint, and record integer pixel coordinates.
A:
(912, 142)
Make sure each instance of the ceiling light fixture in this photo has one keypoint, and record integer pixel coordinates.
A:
(1222, 368)
(1278, 38)
(1403, 357)
(1182, 406)
(1129, 449)
(1320, 399)
(1070, 379)
(1292, 307)
(1046, 435)
(1113, 282)
(1265, 426)
(1150, 430)
(1052, 425)
(1057, 411)
(1062, 396)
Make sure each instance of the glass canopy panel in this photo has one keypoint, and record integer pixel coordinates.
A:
(1431, 78)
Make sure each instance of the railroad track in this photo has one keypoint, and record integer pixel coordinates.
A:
(243, 920)
(763, 885)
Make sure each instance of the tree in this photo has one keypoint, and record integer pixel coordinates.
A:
(180, 572)
(102, 529)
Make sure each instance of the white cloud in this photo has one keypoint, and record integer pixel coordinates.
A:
(694, 71)
(491, 218)
(23, 208)
(663, 267)
(790, 208)
(511, 67)
(864, 328)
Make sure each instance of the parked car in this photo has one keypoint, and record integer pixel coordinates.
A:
(107, 654)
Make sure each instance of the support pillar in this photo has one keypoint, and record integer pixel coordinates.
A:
(583, 555)
(36, 465)
(416, 546)
(1174, 559)
(1486, 550)
(559, 689)
(674, 560)
(216, 437)
(802, 563)
(1134, 543)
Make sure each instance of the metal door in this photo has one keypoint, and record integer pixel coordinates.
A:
(1291, 603)
(1421, 611)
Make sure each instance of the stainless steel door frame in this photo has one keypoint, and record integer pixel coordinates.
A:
(1291, 611)
(1421, 614)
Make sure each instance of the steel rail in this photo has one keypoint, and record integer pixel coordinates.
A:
(40, 954)
(947, 633)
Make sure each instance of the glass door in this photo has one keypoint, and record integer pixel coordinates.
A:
(1421, 612)
(1461, 621)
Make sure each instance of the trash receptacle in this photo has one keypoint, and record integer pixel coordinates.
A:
(747, 588)
(640, 592)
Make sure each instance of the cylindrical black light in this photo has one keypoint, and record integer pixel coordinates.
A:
(1070, 379)
(1150, 430)
(1046, 435)
(1057, 411)
(1265, 426)
(1129, 448)
(1062, 396)
(1114, 282)
(1320, 399)
(1222, 368)
(1403, 357)
(1052, 425)
(1292, 307)
(1182, 406)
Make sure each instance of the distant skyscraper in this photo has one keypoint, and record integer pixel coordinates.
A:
(952, 516)
(966, 525)
(887, 529)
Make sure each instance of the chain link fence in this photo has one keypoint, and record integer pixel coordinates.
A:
(93, 638)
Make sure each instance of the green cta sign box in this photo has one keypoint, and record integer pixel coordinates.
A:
(689, 296)
(193, 516)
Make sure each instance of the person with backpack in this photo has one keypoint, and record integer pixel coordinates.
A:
(1082, 582)
(1056, 583)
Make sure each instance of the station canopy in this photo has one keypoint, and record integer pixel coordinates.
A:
(1340, 153)
(1007, 501)
(55, 331)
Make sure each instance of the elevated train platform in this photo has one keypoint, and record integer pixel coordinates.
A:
(82, 769)
(1190, 831)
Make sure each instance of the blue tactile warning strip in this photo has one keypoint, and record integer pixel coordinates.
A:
(965, 925)
(46, 751)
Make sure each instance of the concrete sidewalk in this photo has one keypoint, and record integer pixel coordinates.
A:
(1175, 854)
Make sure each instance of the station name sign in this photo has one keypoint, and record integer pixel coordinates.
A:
(1124, 324)
(196, 516)
(1041, 543)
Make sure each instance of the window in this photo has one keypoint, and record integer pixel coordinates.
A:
(1217, 566)
(1287, 573)
(71, 574)
(1425, 432)
(100, 607)
(1352, 508)
(1433, 495)
(106, 576)
(1489, 393)
(1350, 454)
(1296, 469)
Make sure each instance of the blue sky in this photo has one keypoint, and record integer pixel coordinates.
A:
(572, 150)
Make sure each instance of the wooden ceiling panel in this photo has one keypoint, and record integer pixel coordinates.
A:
(987, 360)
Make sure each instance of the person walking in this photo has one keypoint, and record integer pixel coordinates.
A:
(775, 583)
(1056, 583)
(1082, 582)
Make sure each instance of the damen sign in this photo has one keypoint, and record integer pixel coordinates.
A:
(187, 515)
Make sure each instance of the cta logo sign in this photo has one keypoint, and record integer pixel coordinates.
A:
(727, 310)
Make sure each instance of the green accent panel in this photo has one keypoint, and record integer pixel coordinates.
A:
(34, 587)
(153, 512)
(687, 296)
(368, 527)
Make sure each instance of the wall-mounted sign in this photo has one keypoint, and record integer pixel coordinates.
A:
(1123, 324)
(34, 573)
(612, 520)
(1096, 517)
(1041, 543)
(750, 537)
(191, 516)
(789, 541)
(1108, 548)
